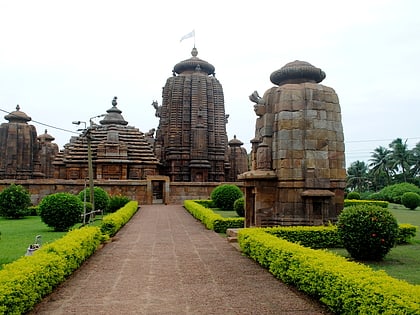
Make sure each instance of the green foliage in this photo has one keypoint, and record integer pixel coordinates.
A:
(353, 195)
(26, 281)
(355, 202)
(117, 202)
(393, 193)
(112, 222)
(211, 220)
(309, 236)
(345, 287)
(225, 195)
(368, 232)
(406, 232)
(410, 200)
(61, 210)
(100, 196)
(14, 202)
(239, 206)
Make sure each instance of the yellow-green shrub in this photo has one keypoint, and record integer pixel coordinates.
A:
(354, 202)
(112, 222)
(76, 246)
(24, 282)
(211, 220)
(345, 287)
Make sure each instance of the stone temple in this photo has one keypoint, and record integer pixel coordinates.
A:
(298, 170)
(119, 151)
(191, 141)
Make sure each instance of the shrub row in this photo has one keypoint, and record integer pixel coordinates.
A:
(112, 222)
(24, 282)
(327, 236)
(345, 287)
(211, 220)
(355, 202)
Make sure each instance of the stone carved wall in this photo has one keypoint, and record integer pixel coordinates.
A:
(298, 163)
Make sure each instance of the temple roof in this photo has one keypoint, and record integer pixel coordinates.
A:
(235, 142)
(45, 137)
(194, 64)
(297, 72)
(114, 115)
(17, 116)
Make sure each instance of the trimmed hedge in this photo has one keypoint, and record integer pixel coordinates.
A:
(327, 236)
(111, 223)
(24, 282)
(309, 236)
(211, 220)
(355, 202)
(345, 287)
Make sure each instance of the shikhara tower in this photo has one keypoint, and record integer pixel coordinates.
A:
(191, 140)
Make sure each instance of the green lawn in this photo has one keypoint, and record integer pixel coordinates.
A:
(17, 235)
(226, 213)
(403, 261)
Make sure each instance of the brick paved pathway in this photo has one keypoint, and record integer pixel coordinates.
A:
(165, 262)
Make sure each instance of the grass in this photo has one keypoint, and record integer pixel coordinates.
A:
(403, 261)
(17, 235)
(226, 213)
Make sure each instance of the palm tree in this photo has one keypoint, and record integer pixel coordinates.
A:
(401, 157)
(415, 170)
(380, 167)
(357, 176)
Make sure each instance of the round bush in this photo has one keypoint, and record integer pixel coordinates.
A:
(117, 202)
(368, 232)
(61, 210)
(225, 195)
(14, 202)
(100, 196)
(410, 200)
(239, 206)
(353, 195)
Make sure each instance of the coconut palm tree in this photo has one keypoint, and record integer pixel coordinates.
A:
(358, 177)
(380, 167)
(401, 158)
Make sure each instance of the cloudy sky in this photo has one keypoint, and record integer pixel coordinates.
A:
(64, 61)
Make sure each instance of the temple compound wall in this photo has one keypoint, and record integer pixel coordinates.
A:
(155, 190)
(298, 163)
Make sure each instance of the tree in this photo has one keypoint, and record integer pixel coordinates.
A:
(380, 167)
(401, 158)
(357, 176)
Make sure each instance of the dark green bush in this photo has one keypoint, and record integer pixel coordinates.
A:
(393, 193)
(225, 195)
(14, 202)
(353, 195)
(117, 202)
(239, 206)
(368, 232)
(375, 196)
(100, 196)
(410, 200)
(61, 210)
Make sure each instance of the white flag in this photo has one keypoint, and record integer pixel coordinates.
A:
(190, 34)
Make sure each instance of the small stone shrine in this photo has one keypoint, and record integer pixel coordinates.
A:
(191, 141)
(118, 151)
(298, 170)
(238, 159)
(19, 148)
(47, 153)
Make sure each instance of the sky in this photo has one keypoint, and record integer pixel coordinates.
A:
(64, 61)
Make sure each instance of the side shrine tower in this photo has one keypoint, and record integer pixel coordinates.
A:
(191, 141)
(298, 170)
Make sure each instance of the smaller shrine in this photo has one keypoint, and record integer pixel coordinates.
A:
(19, 148)
(118, 151)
